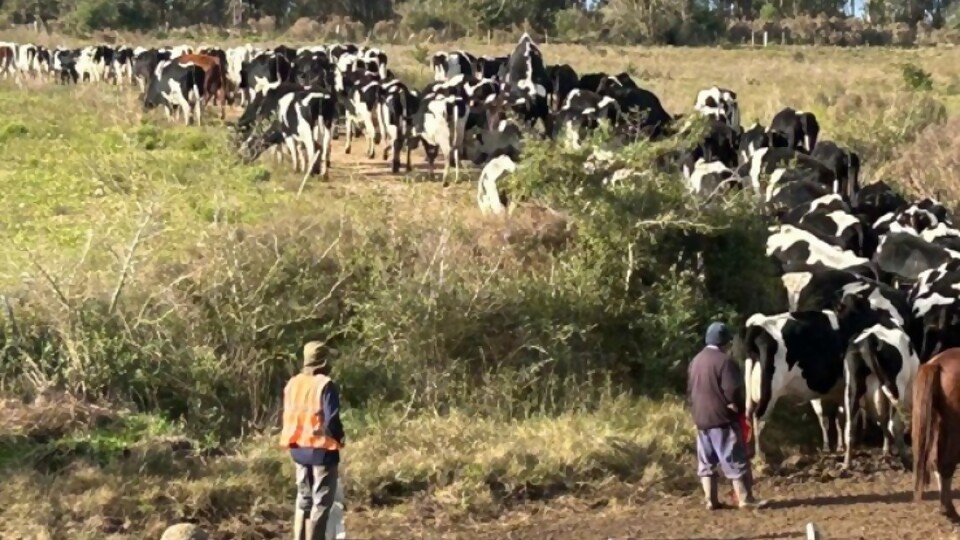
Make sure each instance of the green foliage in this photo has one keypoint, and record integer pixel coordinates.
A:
(769, 12)
(915, 78)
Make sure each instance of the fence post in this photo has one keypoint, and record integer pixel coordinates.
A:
(764, 38)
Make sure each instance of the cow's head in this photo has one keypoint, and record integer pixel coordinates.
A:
(255, 144)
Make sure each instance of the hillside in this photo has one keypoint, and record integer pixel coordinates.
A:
(149, 273)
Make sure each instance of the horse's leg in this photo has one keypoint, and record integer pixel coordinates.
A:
(824, 424)
(946, 500)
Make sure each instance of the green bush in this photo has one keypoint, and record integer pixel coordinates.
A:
(915, 78)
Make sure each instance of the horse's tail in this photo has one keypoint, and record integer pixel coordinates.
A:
(927, 383)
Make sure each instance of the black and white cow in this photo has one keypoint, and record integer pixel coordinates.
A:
(145, 63)
(396, 109)
(880, 365)
(265, 105)
(123, 65)
(440, 124)
(798, 355)
(799, 129)
(375, 61)
(65, 65)
(449, 65)
(754, 138)
(719, 103)
(842, 228)
(265, 69)
(483, 144)
(791, 199)
(796, 249)
(766, 161)
(935, 301)
(176, 86)
(305, 124)
(719, 143)
(712, 178)
(490, 197)
(363, 109)
(826, 289)
(313, 68)
(528, 81)
(582, 112)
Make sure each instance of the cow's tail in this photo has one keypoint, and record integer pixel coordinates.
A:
(868, 351)
(925, 389)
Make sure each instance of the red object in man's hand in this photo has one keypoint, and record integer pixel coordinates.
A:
(747, 434)
(744, 427)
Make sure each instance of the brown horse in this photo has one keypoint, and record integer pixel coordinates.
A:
(936, 426)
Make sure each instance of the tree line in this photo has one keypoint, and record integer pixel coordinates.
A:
(677, 22)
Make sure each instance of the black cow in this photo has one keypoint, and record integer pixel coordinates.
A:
(563, 79)
(795, 195)
(875, 200)
(289, 53)
(845, 165)
(719, 143)
(492, 67)
(644, 115)
(904, 256)
(799, 129)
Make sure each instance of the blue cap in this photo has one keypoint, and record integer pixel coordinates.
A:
(718, 334)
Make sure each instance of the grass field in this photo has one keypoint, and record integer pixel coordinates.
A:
(152, 273)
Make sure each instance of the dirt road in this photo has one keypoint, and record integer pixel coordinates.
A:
(871, 504)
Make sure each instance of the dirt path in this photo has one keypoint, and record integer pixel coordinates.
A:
(868, 505)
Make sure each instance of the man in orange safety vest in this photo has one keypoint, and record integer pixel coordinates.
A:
(313, 433)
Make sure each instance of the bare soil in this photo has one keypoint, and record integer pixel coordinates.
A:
(873, 501)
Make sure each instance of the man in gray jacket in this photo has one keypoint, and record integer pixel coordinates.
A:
(714, 388)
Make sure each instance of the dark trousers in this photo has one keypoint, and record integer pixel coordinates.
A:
(316, 486)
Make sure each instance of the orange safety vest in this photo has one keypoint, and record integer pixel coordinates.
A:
(303, 413)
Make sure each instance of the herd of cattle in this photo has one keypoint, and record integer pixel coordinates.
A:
(872, 280)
